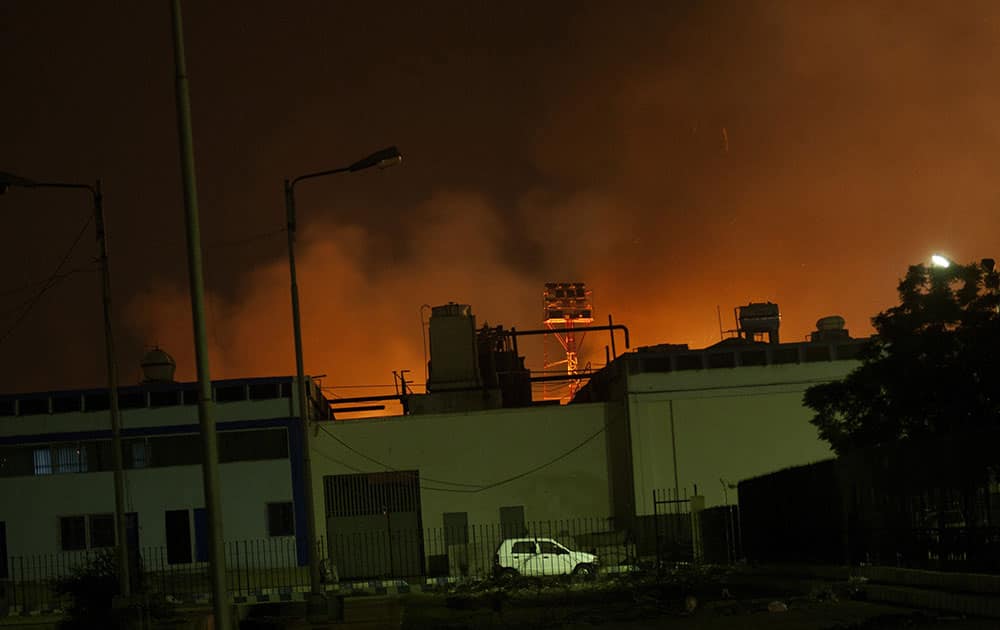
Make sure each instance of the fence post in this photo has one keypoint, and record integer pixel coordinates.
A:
(697, 505)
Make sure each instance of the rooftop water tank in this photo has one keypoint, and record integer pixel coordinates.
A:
(454, 353)
(831, 322)
(158, 367)
(760, 318)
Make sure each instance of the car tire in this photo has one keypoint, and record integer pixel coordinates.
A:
(507, 575)
(585, 571)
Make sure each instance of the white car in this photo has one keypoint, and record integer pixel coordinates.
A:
(541, 556)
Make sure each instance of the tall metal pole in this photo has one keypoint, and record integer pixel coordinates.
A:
(210, 464)
(303, 398)
(673, 449)
(125, 586)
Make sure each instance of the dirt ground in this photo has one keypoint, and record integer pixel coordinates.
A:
(800, 615)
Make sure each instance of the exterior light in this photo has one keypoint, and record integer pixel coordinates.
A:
(385, 158)
(937, 260)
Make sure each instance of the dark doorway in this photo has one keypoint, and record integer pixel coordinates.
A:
(373, 524)
(512, 521)
(178, 537)
(132, 540)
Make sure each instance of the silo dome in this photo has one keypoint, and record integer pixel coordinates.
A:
(158, 367)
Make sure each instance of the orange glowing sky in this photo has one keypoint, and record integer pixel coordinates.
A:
(674, 156)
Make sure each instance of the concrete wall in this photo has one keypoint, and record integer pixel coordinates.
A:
(728, 424)
(479, 448)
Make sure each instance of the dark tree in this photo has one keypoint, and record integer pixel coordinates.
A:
(933, 367)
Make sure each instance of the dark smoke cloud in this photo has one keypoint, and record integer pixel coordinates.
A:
(675, 157)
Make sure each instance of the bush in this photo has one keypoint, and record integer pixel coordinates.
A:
(91, 589)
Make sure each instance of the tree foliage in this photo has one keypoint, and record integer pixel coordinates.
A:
(932, 368)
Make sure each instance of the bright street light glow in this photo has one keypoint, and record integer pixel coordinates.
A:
(940, 261)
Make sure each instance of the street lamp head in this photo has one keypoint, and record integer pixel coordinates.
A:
(382, 159)
(937, 260)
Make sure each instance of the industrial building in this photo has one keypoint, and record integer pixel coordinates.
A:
(474, 449)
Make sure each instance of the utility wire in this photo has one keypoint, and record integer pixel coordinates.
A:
(475, 488)
(34, 283)
(387, 466)
(363, 472)
(51, 282)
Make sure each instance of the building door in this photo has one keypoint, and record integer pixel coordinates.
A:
(373, 524)
(178, 537)
(512, 522)
(456, 540)
(132, 542)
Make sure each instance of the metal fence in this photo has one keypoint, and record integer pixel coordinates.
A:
(252, 566)
(957, 548)
(269, 565)
(674, 536)
(466, 551)
(921, 504)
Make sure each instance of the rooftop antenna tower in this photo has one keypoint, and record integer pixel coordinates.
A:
(566, 305)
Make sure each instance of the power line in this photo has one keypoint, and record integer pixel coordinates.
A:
(34, 283)
(387, 466)
(53, 280)
(475, 488)
(363, 472)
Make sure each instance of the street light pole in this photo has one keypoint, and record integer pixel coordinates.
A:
(97, 199)
(206, 417)
(381, 159)
(303, 398)
(124, 570)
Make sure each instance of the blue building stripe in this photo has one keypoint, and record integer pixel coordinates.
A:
(170, 429)
(296, 459)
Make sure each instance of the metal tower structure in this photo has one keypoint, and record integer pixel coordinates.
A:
(566, 305)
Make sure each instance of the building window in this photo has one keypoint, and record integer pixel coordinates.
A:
(102, 531)
(72, 533)
(33, 406)
(178, 450)
(230, 393)
(71, 458)
(43, 461)
(139, 456)
(96, 402)
(280, 519)
(246, 446)
(265, 391)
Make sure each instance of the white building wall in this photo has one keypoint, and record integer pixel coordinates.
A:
(33, 505)
(480, 448)
(30, 506)
(729, 424)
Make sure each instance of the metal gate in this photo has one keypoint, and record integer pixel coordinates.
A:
(373, 524)
(672, 524)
